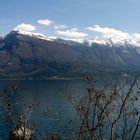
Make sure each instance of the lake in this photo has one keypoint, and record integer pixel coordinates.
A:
(48, 94)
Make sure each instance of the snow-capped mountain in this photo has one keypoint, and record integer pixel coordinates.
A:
(110, 42)
(37, 35)
(23, 53)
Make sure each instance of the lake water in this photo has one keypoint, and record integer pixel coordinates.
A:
(49, 94)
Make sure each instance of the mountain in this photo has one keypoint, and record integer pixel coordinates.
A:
(25, 54)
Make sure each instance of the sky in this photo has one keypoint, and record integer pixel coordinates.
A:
(73, 19)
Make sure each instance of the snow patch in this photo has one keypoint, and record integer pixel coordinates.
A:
(37, 35)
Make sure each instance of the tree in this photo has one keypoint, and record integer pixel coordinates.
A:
(110, 113)
(18, 121)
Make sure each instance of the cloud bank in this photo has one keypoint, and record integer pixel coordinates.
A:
(110, 33)
(105, 35)
(115, 36)
(73, 33)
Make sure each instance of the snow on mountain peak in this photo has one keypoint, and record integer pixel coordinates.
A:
(115, 36)
(109, 36)
(37, 35)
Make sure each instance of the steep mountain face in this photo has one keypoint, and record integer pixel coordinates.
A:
(25, 55)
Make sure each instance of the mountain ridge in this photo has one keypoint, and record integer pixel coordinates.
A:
(32, 55)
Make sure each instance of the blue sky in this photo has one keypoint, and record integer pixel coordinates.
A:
(77, 15)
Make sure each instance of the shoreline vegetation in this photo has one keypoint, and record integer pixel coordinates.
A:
(125, 75)
(51, 78)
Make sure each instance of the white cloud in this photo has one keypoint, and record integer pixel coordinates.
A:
(73, 33)
(114, 35)
(25, 27)
(97, 40)
(74, 29)
(60, 27)
(45, 22)
(135, 39)
(105, 34)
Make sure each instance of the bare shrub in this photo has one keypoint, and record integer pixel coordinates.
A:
(17, 121)
(110, 113)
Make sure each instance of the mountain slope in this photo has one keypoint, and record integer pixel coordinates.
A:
(34, 55)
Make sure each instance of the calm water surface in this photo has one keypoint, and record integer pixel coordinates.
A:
(48, 94)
